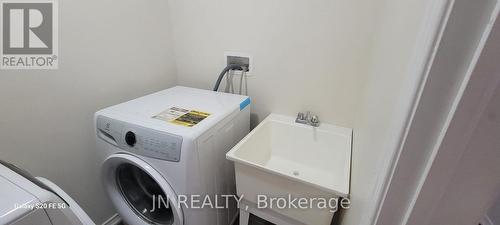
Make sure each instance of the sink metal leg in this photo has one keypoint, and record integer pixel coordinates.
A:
(244, 217)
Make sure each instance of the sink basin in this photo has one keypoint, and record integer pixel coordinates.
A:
(281, 157)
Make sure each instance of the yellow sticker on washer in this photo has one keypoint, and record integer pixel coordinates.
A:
(183, 117)
(191, 118)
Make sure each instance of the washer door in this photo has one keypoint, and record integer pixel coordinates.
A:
(139, 193)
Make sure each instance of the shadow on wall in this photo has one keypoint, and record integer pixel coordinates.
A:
(254, 120)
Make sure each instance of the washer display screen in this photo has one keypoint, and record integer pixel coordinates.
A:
(142, 192)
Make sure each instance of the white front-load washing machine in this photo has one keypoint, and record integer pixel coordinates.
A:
(163, 156)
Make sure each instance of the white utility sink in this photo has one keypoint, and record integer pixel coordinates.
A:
(281, 157)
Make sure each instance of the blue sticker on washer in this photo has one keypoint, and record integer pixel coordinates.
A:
(244, 104)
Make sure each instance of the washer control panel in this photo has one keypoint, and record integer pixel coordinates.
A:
(140, 140)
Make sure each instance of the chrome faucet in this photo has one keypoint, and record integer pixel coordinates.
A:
(308, 118)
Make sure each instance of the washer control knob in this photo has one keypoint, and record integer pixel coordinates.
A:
(130, 139)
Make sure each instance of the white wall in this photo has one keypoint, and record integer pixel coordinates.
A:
(308, 55)
(475, 180)
(380, 114)
(436, 105)
(110, 52)
(458, 182)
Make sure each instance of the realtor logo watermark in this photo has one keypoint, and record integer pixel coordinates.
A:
(29, 34)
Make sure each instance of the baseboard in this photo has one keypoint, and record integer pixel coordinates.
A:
(486, 221)
(113, 220)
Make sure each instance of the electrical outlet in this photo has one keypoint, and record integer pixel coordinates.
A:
(240, 59)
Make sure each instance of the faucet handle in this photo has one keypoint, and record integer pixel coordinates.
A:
(301, 118)
(314, 121)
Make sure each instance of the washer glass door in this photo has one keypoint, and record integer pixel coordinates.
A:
(139, 193)
(143, 194)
